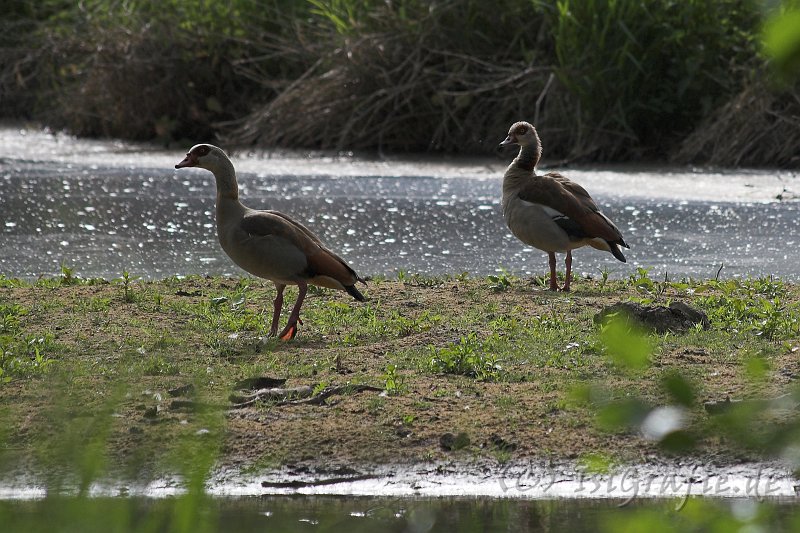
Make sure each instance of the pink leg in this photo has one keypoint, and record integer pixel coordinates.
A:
(290, 330)
(553, 277)
(276, 309)
(568, 262)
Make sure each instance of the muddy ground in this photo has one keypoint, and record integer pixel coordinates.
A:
(116, 350)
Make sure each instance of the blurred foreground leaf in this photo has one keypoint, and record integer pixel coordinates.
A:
(627, 345)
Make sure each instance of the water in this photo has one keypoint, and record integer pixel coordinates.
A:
(320, 514)
(414, 515)
(103, 207)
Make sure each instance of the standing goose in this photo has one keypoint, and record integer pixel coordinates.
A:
(550, 212)
(269, 244)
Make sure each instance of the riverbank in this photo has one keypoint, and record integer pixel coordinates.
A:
(148, 378)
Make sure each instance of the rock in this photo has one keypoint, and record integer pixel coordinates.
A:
(184, 390)
(261, 382)
(786, 402)
(719, 407)
(450, 442)
(677, 318)
(501, 444)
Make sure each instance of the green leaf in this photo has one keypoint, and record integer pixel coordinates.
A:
(622, 414)
(679, 389)
(756, 368)
(627, 345)
(781, 41)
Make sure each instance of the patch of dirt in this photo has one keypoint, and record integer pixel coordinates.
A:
(124, 358)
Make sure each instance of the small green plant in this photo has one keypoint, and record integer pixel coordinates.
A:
(642, 282)
(68, 276)
(9, 317)
(394, 384)
(499, 282)
(126, 282)
(603, 278)
(319, 388)
(25, 356)
(159, 366)
(467, 357)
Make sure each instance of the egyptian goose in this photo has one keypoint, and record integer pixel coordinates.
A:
(550, 212)
(269, 244)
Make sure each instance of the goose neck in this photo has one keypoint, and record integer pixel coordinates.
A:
(225, 175)
(528, 157)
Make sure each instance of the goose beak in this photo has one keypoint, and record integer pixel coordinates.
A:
(509, 140)
(188, 161)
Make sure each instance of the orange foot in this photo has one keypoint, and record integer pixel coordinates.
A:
(290, 331)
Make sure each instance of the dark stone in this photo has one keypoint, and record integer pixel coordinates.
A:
(446, 441)
(184, 390)
(501, 444)
(677, 318)
(450, 442)
(263, 382)
(719, 407)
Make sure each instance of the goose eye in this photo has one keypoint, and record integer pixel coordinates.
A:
(522, 130)
(203, 150)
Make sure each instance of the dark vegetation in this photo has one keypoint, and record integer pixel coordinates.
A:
(688, 81)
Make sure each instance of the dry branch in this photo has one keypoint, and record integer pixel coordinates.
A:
(297, 395)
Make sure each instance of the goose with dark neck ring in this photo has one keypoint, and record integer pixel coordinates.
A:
(550, 212)
(270, 244)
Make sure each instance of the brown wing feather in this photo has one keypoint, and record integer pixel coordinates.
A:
(316, 239)
(560, 193)
(297, 225)
(264, 223)
(321, 260)
(327, 264)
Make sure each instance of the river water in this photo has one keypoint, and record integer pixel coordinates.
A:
(101, 207)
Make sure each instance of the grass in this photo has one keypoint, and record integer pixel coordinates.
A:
(452, 355)
(471, 369)
(470, 356)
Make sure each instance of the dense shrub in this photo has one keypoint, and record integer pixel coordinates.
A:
(411, 75)
(125, 69)
(645, 72)
(603, 79)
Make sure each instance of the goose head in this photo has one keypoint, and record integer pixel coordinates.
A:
(213, 159)
(205, 156)
(523, 134)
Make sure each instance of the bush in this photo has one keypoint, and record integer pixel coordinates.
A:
(602, 79)
(135, 71)
(645, 73)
